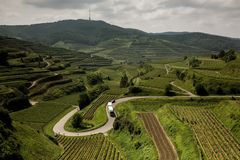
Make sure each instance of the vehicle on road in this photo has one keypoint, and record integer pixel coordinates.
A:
(110, 109)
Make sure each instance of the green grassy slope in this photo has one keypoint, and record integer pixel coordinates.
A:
(35, 146)
(229, 113)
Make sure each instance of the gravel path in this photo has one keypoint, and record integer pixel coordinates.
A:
(184, 90)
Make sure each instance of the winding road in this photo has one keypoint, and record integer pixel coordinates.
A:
(59, 126)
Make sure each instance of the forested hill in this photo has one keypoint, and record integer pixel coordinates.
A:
(202, 40)
(78, 31)
(93, 32)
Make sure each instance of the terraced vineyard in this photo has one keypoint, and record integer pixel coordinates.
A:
(164, 147)
(102, 99)
(96, 147)
(214, 138)
(43, 84)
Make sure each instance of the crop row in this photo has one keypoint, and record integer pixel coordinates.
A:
(156, 131)
(95, 147)
(215, 139)
(100, 100)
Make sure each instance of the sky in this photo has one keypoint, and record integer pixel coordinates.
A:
(221, 17)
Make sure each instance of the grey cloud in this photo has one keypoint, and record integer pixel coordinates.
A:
(62, 4)
(212, 16)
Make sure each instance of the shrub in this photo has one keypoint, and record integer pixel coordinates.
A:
(3, 58)
(134, 90)
(77, 120)
(84, 100)
(124, 81)
(168, 91)
(200, 90)
(94, 79)
(193, 62)
(96, 91)
(17, 103)
(5, 118)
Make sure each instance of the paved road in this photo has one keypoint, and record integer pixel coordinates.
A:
(59, 127)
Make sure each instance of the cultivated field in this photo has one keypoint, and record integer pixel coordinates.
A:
(102, 99)
(96, 147)
(165, 148)
(215, 140)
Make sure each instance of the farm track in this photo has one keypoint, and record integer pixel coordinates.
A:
(165, 149)
(184, 90)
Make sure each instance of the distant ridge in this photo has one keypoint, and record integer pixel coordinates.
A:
(94, 32)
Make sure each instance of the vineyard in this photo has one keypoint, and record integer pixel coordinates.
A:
(216, 141)
(102, 99)
(164, 147)
(96, 147)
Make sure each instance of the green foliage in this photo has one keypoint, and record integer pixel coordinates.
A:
(67, 89)
(94, 79)
(3, 57)
(130, 134)
(96, 91)
(5, 118)
(225, 56)
(169, 91)
(42, 113)
(200, 90)
(181, 136)
(84, 100)
(77, 120)
(228, 112)
(34, 145)
(193, 62)
(9, 145)
(229, 56)
(124, 81)
(134, 90)
(181, 75)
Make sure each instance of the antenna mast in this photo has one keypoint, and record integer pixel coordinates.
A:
(89, 14)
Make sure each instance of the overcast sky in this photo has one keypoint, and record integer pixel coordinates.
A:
(220, 17)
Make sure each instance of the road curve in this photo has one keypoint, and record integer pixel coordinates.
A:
(59, 126)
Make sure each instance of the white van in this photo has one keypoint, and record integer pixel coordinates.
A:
(110, 109)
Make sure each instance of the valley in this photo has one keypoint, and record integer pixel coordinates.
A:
(173, 97)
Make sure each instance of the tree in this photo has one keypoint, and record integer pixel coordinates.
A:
(84, 100)
(94, 79)
(3, 58)
(168, 91)
(134, 90)
(5, 118)
(181, 75)
(200, 90)
(193, 62)
(77, 120)
(229, 56)
(221, 54)
(124, 81)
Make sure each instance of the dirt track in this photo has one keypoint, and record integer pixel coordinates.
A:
(164, 146)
